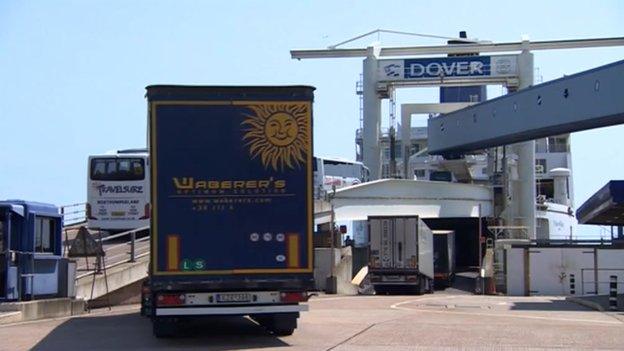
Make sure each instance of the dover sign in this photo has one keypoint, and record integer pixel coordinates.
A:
(445, 67)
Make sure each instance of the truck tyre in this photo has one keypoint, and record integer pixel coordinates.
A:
(283, 324)
(442, 284)
(164, 327)
(283, 331)
(279, 324)
(422, 286)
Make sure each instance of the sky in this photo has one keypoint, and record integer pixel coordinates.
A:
(73, 73)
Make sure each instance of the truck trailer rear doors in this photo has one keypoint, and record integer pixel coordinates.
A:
(401, 253)
(231, 181)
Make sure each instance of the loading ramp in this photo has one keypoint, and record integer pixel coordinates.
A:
(125, 262)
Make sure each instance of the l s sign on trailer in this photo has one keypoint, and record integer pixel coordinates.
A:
(232, 214)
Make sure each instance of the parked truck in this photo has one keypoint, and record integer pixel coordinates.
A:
(443, 257)
(400, 255)
(232, 205)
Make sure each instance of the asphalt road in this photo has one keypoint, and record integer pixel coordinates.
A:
(445, 320)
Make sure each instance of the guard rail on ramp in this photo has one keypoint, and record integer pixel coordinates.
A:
(74, 214)
(125, 262)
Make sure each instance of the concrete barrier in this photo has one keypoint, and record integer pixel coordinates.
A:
(343, 270)
(585, 302)
(116, 277)
(128, 295)
(597, 302)
(10, 317)
(41, 309)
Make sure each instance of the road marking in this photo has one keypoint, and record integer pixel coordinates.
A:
(367, 328)
(398, 306)
(378, 297)
(352, 337)
(344, 297)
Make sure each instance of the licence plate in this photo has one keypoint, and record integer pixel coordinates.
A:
(234, 297)
(118, 213)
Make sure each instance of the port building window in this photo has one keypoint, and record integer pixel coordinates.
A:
(415, 147)
(385, 171)
(542, 229)
(558, 144)
(540, 166)
(545, 187)
(44, 234)
(386, 153)
(441, 176)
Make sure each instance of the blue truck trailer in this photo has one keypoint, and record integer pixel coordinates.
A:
(232, 204)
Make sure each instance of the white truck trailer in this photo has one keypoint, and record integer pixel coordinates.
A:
(400, 255)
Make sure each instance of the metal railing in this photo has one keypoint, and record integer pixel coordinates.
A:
(117, 251)
(509, 232)
(594, 281)
(74, 214)
(567, 241)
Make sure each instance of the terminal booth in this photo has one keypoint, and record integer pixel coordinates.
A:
(31, 262)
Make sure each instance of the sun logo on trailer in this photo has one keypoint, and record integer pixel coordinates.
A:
(278, 134)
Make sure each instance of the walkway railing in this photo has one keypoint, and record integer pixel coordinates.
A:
(596, 281)
(74, 214)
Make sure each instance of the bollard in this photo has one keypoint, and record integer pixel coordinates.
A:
(613, 293)
(572, 285)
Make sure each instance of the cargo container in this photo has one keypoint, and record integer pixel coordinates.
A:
(400, 255)
(443, 257)
(232, 204)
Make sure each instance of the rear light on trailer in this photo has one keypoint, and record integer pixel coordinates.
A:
(290, 297)
(145, 293)
(146, 213)
(413, 262)
(170, 299)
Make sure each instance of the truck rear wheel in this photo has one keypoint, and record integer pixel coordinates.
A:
(165, 327)
(282, 331)
(279, 324)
